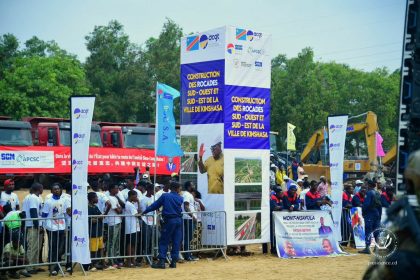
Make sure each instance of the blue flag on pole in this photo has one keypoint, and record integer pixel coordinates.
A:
(166, 143)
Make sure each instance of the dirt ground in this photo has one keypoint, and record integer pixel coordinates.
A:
(256, 266)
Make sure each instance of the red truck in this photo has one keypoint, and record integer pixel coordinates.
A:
(39, 148)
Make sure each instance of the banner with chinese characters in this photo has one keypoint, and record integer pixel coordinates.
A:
(81, 120)
(225, 124)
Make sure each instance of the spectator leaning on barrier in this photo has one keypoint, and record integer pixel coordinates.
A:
(189, 220)
(359, 198)
(172, 226)
(147, 224)
(14, 255)
(132, 226)
(32, 205)
(96, 225)
(312, 198)
(291, 200)
(8, 196)
(12, 222)
(113, 221)
(347, 196)
(53, 210)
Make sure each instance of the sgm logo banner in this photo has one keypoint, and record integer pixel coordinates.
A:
(81, 122)
(26, 159)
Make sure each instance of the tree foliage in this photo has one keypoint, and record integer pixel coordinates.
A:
(305, 92)
(39, 80)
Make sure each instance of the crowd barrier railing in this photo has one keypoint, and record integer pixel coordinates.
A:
(346, 229)
(26, 244)
(203, 231)
(114, 240)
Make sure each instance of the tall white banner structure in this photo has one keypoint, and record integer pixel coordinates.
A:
(81, 121)
(225, 124)
(337, 128)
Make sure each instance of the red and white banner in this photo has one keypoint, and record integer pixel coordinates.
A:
(109, 160)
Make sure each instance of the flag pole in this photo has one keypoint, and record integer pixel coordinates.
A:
(156, 137)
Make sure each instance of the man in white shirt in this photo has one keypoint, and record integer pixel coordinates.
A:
(103, 200)
(8, 196)
(132, 225)
(113, 221)
(189, 219)
(32, 205)
(303, 194)
(131, 186)
(54, 210)
(147, 220)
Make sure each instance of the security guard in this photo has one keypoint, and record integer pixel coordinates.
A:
(371, 213)
(172, 227)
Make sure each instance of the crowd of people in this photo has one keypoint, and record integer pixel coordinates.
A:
(299, 193)
(118, 232)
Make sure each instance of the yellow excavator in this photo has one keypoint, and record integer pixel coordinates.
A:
(360, 153)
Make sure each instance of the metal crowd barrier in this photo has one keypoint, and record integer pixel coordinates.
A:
(112, 245)
(346, 229)
(205, 232)
(24, 247)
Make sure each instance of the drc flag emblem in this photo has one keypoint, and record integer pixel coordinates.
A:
(240, 34)
(193, 43)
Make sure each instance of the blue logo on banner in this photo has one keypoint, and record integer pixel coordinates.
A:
(240, 34)
(193, 43)
(78, 113)
(204, 41)
(78, 137)
(76, 214)
(77, 164)
(250, 35)
(79, 241)
(76, 188)
(7, 156)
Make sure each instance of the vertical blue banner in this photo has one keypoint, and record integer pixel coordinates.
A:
(247, 117)
(202, 87)
(166, 144)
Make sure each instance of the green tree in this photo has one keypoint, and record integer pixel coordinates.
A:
(35, 85)
(9, 45)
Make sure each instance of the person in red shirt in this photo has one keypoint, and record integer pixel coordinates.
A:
(347, 196)
(313, 198)
(387, 197)
(291, 199)
(359, 197)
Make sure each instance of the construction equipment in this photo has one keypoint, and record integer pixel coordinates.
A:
(360, 153)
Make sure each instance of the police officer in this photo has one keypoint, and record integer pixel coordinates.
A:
(172, 227)
(371, 213)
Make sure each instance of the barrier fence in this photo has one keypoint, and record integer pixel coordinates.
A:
(114, 240)
(346, 228)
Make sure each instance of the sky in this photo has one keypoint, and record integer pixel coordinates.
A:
(364, 34)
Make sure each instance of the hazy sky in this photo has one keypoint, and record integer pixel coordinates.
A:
(362, 33)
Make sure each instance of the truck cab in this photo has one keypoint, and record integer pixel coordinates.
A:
(15, 133)
(128, 137)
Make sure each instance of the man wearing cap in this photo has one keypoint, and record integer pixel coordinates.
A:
(322, 186)
(214, 167)
(291, 201)
(358, 186)
(276, 204)
(8, 196)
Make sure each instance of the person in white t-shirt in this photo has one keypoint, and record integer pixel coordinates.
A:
(147, 224)
(32, 205)
(132, 225)
(302, 195)
(189, 219)
(8, 196)
(103, 200)
(54, 210)
(113, 221)
(130, 186)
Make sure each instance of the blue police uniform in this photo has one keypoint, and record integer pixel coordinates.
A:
(371, 214)
(172, 228)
